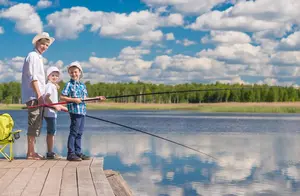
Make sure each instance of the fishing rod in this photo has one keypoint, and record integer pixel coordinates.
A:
(180, 91)
(151, 134)
(142, 94)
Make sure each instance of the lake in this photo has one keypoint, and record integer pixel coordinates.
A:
(258, 154)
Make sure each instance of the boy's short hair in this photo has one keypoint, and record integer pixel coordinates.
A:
(43, 41)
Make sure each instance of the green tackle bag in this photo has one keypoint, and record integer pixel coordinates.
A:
(6, 126)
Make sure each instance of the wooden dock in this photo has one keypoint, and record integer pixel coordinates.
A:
(53, 178)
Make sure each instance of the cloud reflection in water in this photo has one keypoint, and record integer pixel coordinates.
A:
(250, 163)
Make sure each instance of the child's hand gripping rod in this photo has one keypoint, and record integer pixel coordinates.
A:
(63, 103)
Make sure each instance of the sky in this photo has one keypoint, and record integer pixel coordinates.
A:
(158, 41)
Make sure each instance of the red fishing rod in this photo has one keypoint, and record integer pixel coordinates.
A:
(58, 103)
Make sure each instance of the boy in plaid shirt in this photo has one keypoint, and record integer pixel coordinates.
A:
(74, 92)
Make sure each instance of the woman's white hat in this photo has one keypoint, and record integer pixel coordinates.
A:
(52, 69)
(76, 64)
(41, 36)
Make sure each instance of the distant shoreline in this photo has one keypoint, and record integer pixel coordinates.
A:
(249, 107)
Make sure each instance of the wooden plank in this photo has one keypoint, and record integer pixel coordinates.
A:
(8, 178)
(49, 164)
(3, 163)
(2, 172)
(52, 183)
(69, 182)
(101, 183)
(117, 183)
(73, 163)
(26, 163)
(61, 163)
(85, 163)
(85, 182)
(14, 164)
(36, 183)
(38, 163)
(97, 162)
(17, 186)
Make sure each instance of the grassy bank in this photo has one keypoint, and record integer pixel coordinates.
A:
(287, 107)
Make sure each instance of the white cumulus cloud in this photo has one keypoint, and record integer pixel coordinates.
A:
(286, 58)
(223, 20)
(128, 66)
(237, 54)
(185, 42)
(1, 30)
(170, 36)
(267, 19)
(25, 17)
(279, 10)
(11, 69)
(136, 26)
(184, 63)
(133, 53)
(232, 80)
(186, 6)
(230, 37)
(169, 51)
(44, 4)
(292, 42)
(173, 20)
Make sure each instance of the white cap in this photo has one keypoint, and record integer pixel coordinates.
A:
(52, 69)
(76, 64)
(41, 36)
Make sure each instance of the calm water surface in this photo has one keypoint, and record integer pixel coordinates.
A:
(258, 154)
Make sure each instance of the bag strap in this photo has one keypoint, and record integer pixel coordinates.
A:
(6, 137)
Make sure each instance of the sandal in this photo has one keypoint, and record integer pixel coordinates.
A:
(36, 156)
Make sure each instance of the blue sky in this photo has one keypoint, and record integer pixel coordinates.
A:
(159, 41)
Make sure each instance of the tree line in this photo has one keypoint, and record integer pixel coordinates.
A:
(10, 92)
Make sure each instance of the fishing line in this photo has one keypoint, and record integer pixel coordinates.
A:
(141, 131)
(143, 94)
(151, 134)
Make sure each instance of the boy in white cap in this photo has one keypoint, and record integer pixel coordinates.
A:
(75, 92)
(33, 89)
(50, 114)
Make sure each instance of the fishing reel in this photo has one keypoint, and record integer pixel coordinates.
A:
(16, 134)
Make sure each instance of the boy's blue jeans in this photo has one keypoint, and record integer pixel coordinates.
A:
(76, 130)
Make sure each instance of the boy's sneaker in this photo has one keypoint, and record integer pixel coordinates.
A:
(53, 155)
(73, 157)
(84, 157)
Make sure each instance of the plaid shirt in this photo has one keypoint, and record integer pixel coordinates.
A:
(75, 89)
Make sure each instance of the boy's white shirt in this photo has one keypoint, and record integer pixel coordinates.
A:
(52, 90)
(33, 69)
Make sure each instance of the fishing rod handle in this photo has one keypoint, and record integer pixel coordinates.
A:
(91, 99)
